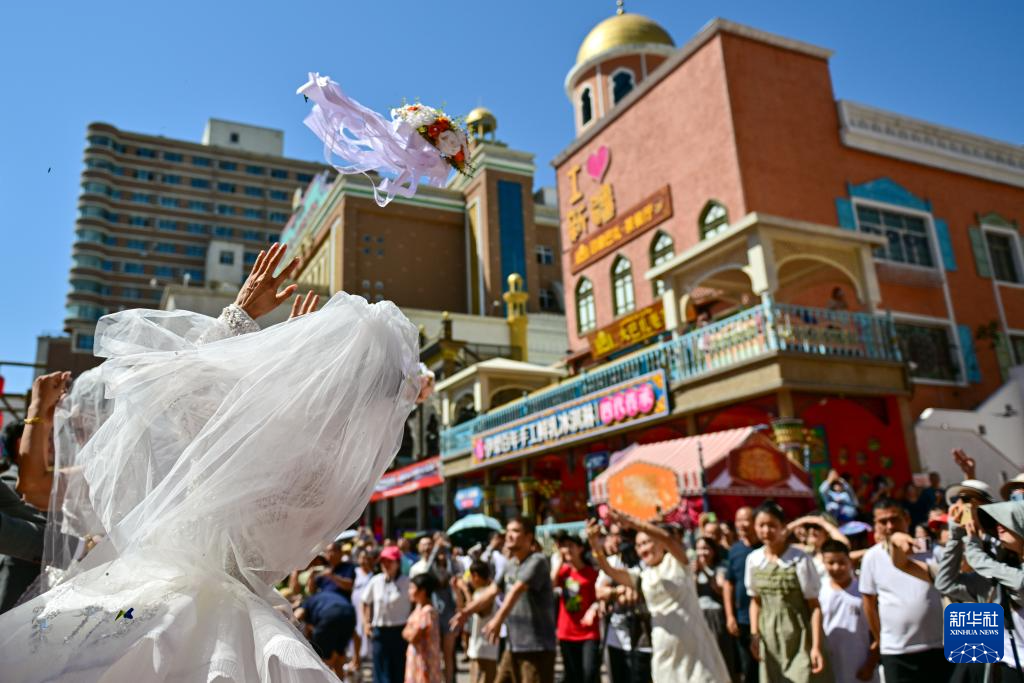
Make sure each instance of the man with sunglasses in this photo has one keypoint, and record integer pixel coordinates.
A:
(969, 491)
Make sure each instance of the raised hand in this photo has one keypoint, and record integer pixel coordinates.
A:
(47, 391)
(964, 462)
(304, 304)
(259, 294)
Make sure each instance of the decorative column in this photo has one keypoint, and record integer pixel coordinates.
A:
(527, 485)
(386, 517)
(526, 488)
(488, 487)
(448, 503)
(515, 305)
(422, 502)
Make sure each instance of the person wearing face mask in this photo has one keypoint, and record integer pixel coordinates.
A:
(684, 649)
(1013, 489)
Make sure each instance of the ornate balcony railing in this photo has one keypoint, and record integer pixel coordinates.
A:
(766, 328)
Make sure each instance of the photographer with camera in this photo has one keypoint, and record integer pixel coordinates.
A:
(627, 621)
(991, 540)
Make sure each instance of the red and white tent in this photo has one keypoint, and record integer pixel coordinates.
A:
(740, 467)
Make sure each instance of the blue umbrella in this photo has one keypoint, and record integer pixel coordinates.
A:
(475, 522)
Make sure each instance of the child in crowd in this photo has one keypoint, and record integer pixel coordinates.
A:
(847, 635)
(423, 633)
(482, 654)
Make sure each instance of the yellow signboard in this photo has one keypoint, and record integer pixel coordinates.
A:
(631, 329)
(631, 224)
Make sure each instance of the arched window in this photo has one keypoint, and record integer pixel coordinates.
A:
(586, 312)
(714, 219)
(586, 107)
(622, 84)
(622, 287)
(662, 249)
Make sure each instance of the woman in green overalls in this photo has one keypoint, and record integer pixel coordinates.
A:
(785, 617)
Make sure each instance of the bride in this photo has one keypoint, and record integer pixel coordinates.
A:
(223, 461)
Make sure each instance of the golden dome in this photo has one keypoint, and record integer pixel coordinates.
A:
(622, 29)
(481, 120)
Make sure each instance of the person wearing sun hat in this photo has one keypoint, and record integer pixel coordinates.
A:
(971, 491)
(996, 577)
(1013, 489)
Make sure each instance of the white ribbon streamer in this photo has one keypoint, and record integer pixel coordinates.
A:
(359, 140)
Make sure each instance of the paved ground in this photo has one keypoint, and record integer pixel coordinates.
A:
(463, 674)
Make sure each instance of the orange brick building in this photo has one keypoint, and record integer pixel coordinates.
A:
(777, 253)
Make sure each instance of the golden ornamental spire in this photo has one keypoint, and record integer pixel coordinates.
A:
(620, 7)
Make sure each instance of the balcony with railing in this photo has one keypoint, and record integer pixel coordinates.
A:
(761, 332)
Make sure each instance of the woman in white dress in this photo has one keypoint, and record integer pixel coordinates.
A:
(222, 466)
(684, 649)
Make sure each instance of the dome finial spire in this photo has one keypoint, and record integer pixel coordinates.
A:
(620, 7)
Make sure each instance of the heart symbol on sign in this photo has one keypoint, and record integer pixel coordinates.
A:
(597, 163)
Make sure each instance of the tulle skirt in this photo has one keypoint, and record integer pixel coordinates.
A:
(154, 619)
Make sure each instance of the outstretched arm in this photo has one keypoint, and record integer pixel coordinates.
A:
(672, 545)
(35, 472)
(619, 576)
(831, 529)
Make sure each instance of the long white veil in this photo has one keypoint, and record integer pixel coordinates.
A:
(228, 463)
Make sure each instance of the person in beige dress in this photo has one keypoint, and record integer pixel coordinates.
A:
(684, 649)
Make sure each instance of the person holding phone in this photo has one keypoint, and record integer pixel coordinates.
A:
(902, 606)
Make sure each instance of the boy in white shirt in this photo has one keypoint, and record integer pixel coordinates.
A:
(847, 634)
(482, 654)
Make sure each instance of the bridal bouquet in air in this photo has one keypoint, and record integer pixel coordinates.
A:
(418, 144)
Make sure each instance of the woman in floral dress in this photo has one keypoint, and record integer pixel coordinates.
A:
(423, 632)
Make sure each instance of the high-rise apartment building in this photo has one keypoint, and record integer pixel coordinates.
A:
(156, 211)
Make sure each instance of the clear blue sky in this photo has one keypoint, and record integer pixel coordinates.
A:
(164, 68)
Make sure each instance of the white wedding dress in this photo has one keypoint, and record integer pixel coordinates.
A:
(216, 468)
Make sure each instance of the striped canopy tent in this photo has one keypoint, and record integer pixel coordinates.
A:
(740, 467)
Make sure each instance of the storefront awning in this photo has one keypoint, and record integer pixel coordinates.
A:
(739, 462)
(408, 479)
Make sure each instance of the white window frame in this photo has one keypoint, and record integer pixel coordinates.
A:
(580, 331)
(954, 340)
(611, 83)
(929, 226)
(616, 313)
(579, 108)
(546, 254)
(1017, 257)
(1010, 333)
(547, 294)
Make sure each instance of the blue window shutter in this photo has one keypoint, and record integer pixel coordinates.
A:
(971, 368)
(844, 209)
(945, 246)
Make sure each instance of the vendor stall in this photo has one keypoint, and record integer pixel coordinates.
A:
(722, 471)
